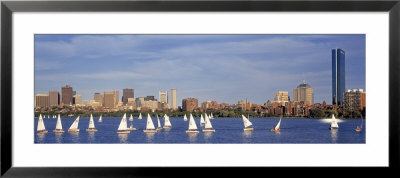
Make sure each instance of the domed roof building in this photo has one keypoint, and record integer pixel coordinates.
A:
(303, 93)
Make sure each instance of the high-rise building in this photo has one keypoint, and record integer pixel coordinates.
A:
(190, 104)
(66, 92)
(338, 76)
(139, 101)
(42, 100)
(78, 100)
(303, 93)
(109, 99)
(116, 97)
(98, 98)
(54, 98)
(354, 100)
(163, 96)
(281, 97)
(127, 93)
(173, 99)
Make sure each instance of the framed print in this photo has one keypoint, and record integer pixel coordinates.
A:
(103, 88)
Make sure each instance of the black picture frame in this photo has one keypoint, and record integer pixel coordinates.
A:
(8, 7)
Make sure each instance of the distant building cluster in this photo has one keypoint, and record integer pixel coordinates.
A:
(108, 101)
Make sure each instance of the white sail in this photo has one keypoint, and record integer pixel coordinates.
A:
(59, 125)
(123, 125)
(166, 120)
(212, 116)
(201, 119)
(278, 125)
(131, 118)
(158, 122)
(40, 124)
(91, 123)
(74, 125)
(334, 122)
(208, 123)
(246, 122)
(101, 118)
(185, 118)
(149, 124)
(140, 116)
(192, 123)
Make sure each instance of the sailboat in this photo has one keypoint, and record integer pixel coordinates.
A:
(44, 116)
(208, 127)
(201, 120)
(100, 119)
(167, 123)
(122, 129)
(149, 126)
(277, 127)
(184, 118)
(247, 124)
(58, 126)
(334, 124)
(91, 125)
(359, 128)
(74, 126)
(40, 127)
(212, 117)
(131, 126)
(192, 126)
(140, 116)
(158, 124)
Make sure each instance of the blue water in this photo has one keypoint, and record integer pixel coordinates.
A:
(227, 130)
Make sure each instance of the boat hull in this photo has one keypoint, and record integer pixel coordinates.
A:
(248, 129)
(42, 131)
(158, 129)
(357, 130)
(149, 131)
(275, 130)
(167, 127)
(208, 130)
(58, 131)
(91, 130)
(73, 130)
(192, 131)
(123, 132)
(131, 128)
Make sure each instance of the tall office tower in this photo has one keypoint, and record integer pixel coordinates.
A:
(127, 93)
(98, 98)
(116, 97)
(66, 92)
(41, 100)
(163, 96)
(338, 76)
(173, 99)
(303, 93)
(281, 96)
(190, 104)
(78, 99)
(54, 98)
(109, 99)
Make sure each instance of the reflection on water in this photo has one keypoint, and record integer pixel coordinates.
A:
(334, 135)
(41, 137)
(207, 136)
(192, 137)
(123, 138)
(91, 137)
(74, 137)
(58, 137)
(149, 137)
(246, 136)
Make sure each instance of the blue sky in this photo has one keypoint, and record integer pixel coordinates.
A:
(225, 68)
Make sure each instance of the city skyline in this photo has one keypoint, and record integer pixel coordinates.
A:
(224, 68)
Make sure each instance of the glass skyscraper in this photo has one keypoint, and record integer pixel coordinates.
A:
(338, 76)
